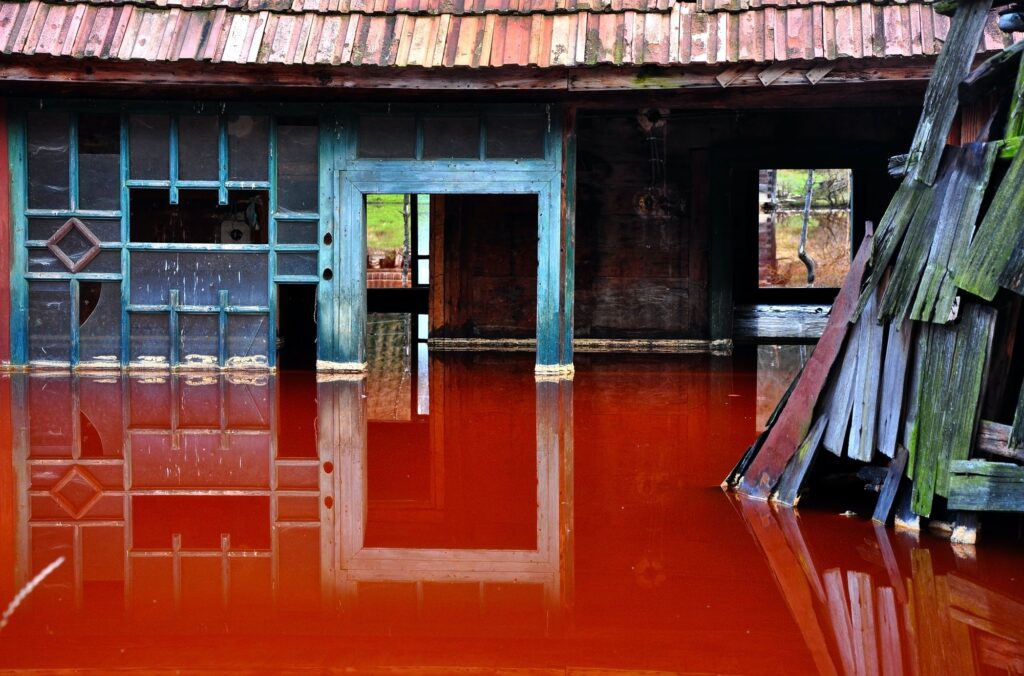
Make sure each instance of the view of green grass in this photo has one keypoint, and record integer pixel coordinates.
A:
(831, 188)
(385, 221)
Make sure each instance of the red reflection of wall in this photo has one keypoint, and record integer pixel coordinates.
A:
(466, 478)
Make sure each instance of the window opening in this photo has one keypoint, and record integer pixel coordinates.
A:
(804, 235)
(198, 218)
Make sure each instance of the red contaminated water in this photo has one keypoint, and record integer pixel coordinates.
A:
(466, 518)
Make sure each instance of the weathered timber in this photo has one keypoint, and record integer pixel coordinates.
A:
(1002, 358)
(794, 421)
(904, 518)
(994, 72)
(961, 202)
(994, 439)
(894, 375)
(914, 395)
(866, 385)
(891, 230)
(951, 386)
(980, 485)
(837, 404)
(906, 271)
(1015, 118)
(981, 270)
(965, 528)
(893, 478)
(792, 481)
(898, 165)
(779, 321)
(940, 101)
(1016, 439)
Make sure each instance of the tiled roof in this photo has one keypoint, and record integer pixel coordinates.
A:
(473, 33)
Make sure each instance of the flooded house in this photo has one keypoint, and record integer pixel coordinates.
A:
(215, 184)
(415, 337)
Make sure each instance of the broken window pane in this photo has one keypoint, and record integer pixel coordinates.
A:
(297, 170)
(41, 260)
(199, 276)
(248, 340)
(199, 340)
(105, 229)
(198, 148)
(387, 137)
(803, 235)
(512, 136)
(451, 137)
(48, 166)
(49, 321)
(197, 218)
(99, 162)
(150, 340)
(99, 320)
(149, 141)
(304, 263)
(297, 232)
(248, 147)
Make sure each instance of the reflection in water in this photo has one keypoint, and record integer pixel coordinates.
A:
(269, 522)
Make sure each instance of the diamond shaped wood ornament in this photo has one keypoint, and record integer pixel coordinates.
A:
(73, 225)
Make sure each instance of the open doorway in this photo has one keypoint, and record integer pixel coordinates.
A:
(296, 327)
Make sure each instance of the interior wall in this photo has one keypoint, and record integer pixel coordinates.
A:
(646, 200)
(487, 256)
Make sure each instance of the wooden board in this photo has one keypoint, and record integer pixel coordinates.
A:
(795, 420)
(980, 485)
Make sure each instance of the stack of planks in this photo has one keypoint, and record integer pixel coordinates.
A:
(922, 340)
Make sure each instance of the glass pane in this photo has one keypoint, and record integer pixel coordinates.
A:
(198, 276)
(423, 271)
(48, 166)
(515, 136)
(387, 137)
(41, 260)
(297, 232)
(99, 162)
(248, 338)
(454, 137)
(197, 147)
(422, 225)
(149, 140)
(297, 263)
(248, 147)
(105, 229)
(786, 217)
(199, 339)
(150, 342)
(297, 167)
(49, 321)
(99, 321)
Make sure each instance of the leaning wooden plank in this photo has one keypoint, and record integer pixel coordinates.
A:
(837, 404)
(940, 100)
(1015, 118)
(951, 388)
(994, 72)
(920, 351)
(978, 485)
(894, 376)
(891, 230)
(997, 238)
(961, 202)
(893, 478)
(904, 519)
(863, 421)
(795, 419)
(994, 439)
(792, 481)
(913, 255)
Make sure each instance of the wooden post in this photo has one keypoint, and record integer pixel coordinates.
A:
(5, 242)
(556, 254)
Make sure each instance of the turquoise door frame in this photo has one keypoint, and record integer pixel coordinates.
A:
(342, 290)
